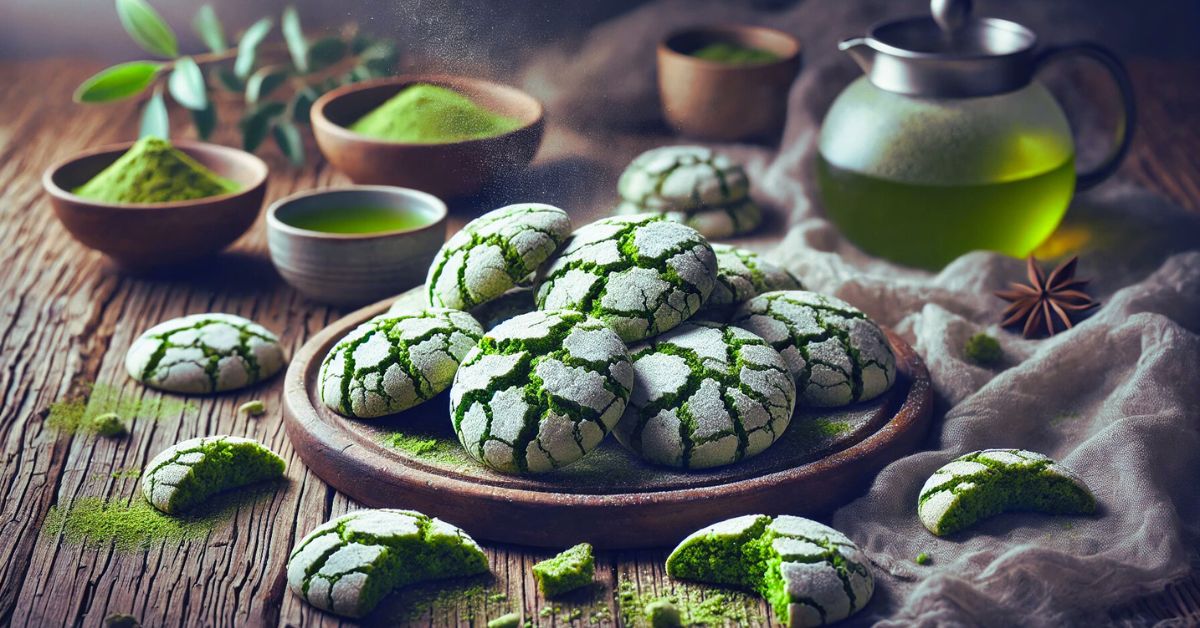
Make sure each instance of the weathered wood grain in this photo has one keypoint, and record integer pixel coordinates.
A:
(66, 318)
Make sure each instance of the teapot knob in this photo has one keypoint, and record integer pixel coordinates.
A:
(951, 15)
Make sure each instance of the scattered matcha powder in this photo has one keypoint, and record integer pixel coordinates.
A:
(429, 448)
(153, 171)
(923, 559)
(718, 609)
(428, 114)
(78, 413)
(253, 408)
(121, 474)
(983, 350)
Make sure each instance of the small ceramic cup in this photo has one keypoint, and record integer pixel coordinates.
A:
(354, 269)
(727, 101)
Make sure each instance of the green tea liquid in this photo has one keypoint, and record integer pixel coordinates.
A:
(930, 225)
(363, 219)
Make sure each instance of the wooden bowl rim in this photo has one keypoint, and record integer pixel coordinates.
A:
(227, 153)
(275, 224)
(716, 31)
(322, 122)
(301, 418)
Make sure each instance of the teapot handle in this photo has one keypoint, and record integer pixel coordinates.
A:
(1125, 124)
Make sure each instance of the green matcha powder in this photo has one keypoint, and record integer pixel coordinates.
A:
(733, 54)
(153, 171)
(428, 114)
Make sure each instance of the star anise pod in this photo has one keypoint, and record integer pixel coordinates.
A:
(1046, 304)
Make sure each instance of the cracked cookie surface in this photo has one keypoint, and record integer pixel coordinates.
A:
(837, 355)
(988, 482)
(810, 573)
(348, 564)
(705, 396)
(693, 185)
(188, 473)
(204, 353)
(540, 391)
(642, 275)
(741, 276)
(396, 361)
(493, 253)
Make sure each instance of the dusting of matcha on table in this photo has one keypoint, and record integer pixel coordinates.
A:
(79, 413)
(984, 483)
(566, 572)
(153, 171)
(429, 114)
(983, 350)
(733, 54)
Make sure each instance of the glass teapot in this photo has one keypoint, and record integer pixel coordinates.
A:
(948, 144)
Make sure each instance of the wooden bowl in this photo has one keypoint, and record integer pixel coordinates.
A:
(723, 101)
(357, 268)
(446, 170)
(145, 236)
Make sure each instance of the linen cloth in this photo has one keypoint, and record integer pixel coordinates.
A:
(1117, 399)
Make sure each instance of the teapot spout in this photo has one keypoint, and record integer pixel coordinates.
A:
(858, 50)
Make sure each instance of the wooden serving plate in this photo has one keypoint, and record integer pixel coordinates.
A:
(610, 497)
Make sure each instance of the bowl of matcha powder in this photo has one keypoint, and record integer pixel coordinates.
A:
(442, 134)
(152, 203)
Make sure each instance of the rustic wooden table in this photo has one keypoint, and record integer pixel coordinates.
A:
(66, 318)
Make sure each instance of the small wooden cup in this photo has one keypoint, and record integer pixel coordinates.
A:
(354, 268)
(446, 170)
(147, 236)
(724, 101)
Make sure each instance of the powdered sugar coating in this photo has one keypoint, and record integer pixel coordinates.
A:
(540, 391)
(706, 396)
(494, 253)
(642, 275)
(396, 361)
(204, 353)
(837, 355)
(348, 564)
(718, 221)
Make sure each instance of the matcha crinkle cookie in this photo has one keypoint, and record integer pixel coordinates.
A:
(991, 481)
(396, 361)
(837, 355)
(810, 573)
(706, 395)
(540, 391)
(188, 473)
(694, 185)
(204, 353)
(743, 275)
(493, 253)
(640, 274)
(347, 565)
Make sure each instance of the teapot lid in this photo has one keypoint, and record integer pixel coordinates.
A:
(949, 54)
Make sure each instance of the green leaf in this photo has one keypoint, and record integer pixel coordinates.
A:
(294, 36)
(208, 27)
(229, 80)
(155, 121)
(302, 103)
(119, 81)
(287, 138)
(187, 85)
(325, 52)
(256, 124)
(147, 28)
(205, 120)
(264, 81)
(248, 47)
